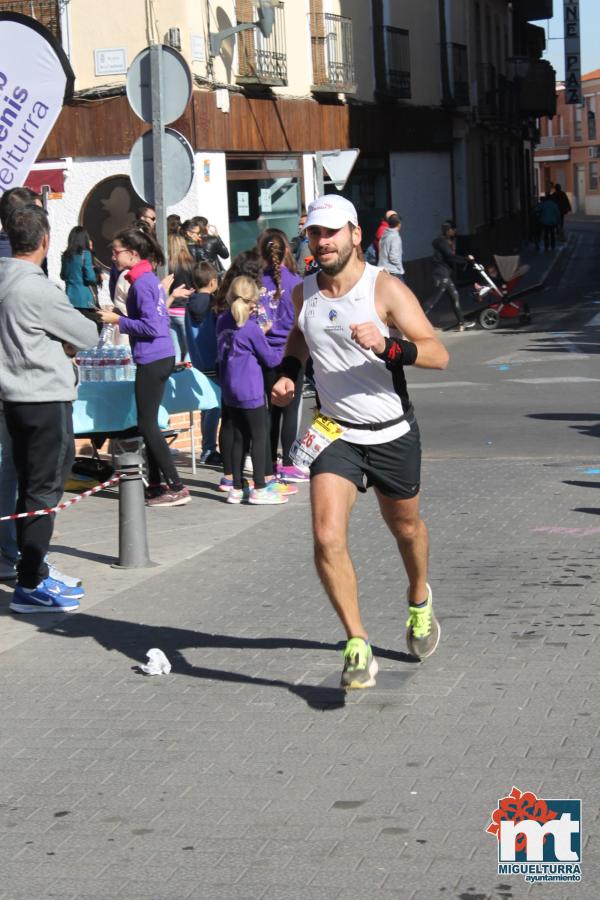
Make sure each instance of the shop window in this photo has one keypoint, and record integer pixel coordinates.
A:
(262, 192)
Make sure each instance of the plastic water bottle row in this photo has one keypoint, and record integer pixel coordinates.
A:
(105, 361)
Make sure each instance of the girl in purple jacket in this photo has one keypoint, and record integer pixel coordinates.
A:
(147, 324)
(276, 309)
(242, 349)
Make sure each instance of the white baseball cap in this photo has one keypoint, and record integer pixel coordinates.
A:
(331, 211)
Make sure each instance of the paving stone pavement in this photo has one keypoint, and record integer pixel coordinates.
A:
(246, 774)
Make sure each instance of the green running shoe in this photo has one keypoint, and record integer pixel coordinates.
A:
(422, 629)
(360, 666)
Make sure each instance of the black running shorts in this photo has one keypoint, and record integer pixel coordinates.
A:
(394, 468)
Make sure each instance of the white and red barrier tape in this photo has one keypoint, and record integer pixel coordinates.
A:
(67, 503)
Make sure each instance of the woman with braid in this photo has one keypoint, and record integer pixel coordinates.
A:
(275, 314)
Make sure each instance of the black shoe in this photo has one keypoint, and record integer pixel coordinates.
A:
(214, 458)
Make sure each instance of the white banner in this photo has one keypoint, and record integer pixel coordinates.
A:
(35, 79)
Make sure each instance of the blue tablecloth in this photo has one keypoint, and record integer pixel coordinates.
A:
(109, 406)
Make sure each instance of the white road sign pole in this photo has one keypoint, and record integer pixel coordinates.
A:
(158, 131)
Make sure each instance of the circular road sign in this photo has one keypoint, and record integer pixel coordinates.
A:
(178, 167)
(175, 87)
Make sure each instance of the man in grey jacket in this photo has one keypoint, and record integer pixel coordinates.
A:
(37, 387)
(390, 248)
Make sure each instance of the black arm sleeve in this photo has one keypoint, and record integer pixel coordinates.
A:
(398, 353)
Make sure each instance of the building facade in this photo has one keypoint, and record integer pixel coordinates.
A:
(568, 150)
(440, 97)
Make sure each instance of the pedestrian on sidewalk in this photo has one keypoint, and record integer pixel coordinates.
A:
(564, 208)
(38, 326)
(549, 220)
(445, 260)
(382, 228)
(343, 314)
(242, 349)
(390, 249)
(147, 324)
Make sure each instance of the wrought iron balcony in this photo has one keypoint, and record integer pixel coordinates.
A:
(398, 83)
(263, 60)
(332, 42)
(395, 77)
(46, 12)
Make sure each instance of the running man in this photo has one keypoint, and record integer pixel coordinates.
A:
(343, 318)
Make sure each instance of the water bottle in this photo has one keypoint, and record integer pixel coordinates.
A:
(108, 362)
(95, 372)
(129, 365)
(106, 336)
(79, 362)
(120, 354)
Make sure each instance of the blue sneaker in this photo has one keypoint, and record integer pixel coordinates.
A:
(49, 596)
(57, 586)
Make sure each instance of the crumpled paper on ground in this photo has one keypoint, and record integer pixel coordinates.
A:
(157, 664)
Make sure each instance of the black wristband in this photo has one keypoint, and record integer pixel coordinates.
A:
(289, 367)
(398, 353)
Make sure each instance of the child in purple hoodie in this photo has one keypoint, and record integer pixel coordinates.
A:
(276, 308)
(242, 349)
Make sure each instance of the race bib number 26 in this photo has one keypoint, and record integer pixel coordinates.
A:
(323, 432)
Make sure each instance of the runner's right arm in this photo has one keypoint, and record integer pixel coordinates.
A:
(295, 355)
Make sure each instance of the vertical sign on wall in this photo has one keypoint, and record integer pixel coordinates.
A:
(572, 52)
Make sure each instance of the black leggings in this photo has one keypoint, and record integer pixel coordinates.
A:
(42, 445)
(446, 286)
(150, 381)
(249, 427)
(282, 419)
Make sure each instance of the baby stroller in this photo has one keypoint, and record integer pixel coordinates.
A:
(500, 281)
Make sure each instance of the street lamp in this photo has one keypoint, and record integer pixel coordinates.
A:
(265, 23)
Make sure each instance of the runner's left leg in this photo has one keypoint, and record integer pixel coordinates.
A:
(332, 498)
(403, 519)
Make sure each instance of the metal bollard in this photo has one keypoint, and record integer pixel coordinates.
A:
(133, 539)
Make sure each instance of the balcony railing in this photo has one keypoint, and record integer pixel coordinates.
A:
(46, 12)
(554, 142)
(398, 83)
(263, 60)
(332, 41)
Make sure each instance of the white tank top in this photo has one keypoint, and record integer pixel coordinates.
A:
(353, 384)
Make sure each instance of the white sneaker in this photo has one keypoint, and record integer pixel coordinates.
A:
(8, 570)
(69, 580)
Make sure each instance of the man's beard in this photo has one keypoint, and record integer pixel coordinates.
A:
(342, 260)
